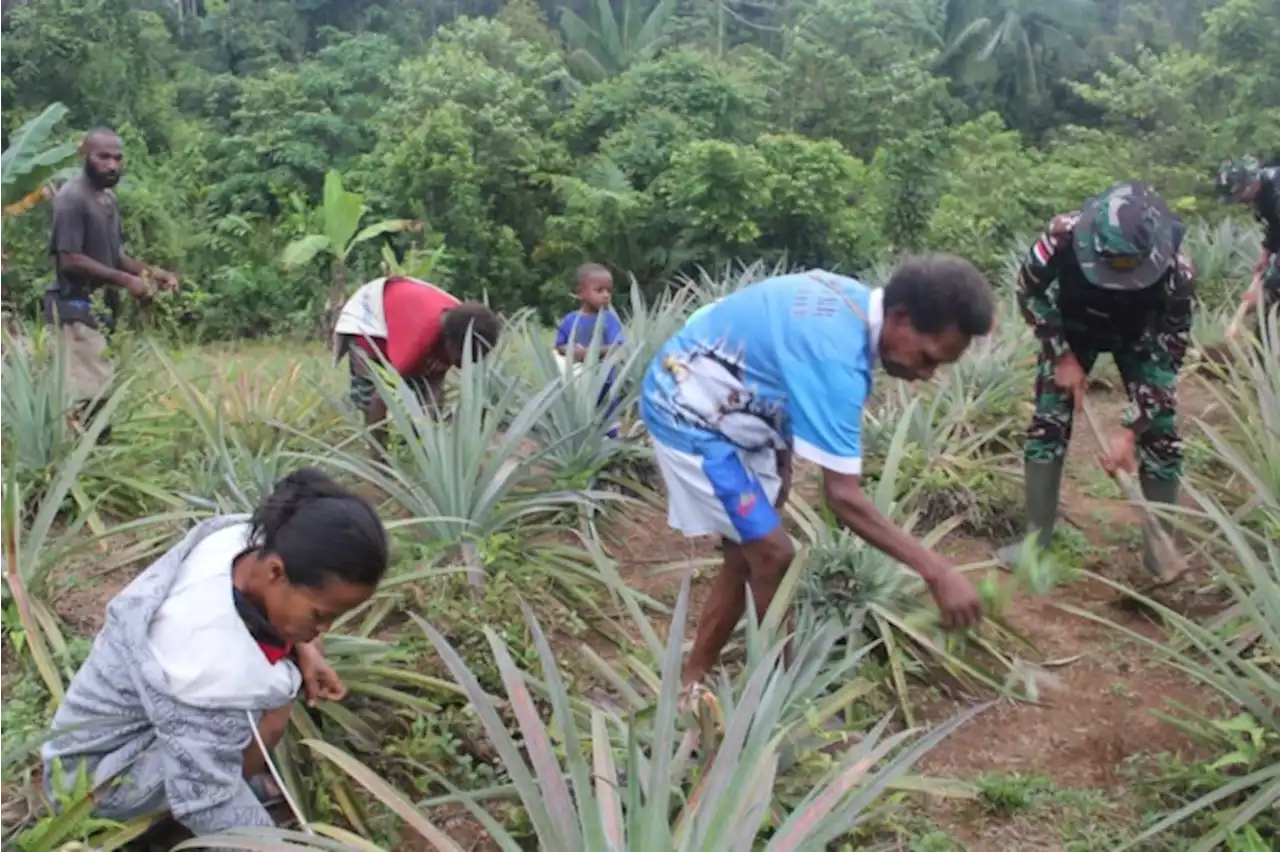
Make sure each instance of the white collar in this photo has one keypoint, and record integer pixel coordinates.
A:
(875, 321)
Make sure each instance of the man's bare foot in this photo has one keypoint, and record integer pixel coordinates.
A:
(692, 696)
(695, 697)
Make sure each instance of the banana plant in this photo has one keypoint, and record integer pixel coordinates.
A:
(26, 166)
(417, 263)
(30, 162)
(341, 212)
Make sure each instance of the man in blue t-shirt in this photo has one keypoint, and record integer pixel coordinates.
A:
(785, 366)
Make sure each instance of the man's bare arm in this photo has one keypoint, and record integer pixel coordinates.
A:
(90, 268)
(315, 646)
(133, 267)
(958, 602)
(1264, 258)
(854, 509)
(167, 279)
(579, 353)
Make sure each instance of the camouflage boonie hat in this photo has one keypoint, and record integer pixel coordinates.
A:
(1124, 238)
(1236, 175)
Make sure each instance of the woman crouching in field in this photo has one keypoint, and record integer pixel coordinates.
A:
(221, 631)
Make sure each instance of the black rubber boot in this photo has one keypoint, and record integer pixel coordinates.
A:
(1156, 491)
(1043, 481)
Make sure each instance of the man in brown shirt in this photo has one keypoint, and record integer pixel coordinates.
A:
(87, 244)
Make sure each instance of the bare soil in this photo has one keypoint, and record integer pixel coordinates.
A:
(1081, 737)
(1100, 716)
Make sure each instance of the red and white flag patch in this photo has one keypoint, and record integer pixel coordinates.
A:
(1042, 250)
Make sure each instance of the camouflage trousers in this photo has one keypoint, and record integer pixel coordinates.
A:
(1149, 380)
(1271, 284)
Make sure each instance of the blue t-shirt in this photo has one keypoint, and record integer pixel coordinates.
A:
(783, 363)
(577, 328)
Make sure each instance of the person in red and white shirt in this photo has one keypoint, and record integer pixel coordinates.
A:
(415, 328)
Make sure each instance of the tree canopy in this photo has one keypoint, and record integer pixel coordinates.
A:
(651, 135)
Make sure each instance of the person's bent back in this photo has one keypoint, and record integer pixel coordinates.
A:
(418, 330)
(786, 366)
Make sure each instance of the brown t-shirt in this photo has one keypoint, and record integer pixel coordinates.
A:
(86, 221)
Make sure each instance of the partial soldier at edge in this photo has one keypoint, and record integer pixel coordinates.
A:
(1243, 181)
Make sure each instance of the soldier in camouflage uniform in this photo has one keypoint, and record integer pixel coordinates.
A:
(1108, 278)
(1244, 182)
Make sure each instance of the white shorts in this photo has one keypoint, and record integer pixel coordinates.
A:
(726, 491)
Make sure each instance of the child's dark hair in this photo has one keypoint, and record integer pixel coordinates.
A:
(586, 272)
(941, 291)
(483, 322)
(320, 530)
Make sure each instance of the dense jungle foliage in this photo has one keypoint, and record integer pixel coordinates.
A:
(514, 683)
(653, 136)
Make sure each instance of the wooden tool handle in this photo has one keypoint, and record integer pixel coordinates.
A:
(1241, 312)
(1237, 321)
(1171, 563)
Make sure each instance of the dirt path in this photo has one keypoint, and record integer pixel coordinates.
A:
(1078, 742)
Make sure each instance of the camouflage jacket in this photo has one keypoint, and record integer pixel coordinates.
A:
(1266, 208)
(1168, 339)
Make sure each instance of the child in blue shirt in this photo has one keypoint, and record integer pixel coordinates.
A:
(594, 289)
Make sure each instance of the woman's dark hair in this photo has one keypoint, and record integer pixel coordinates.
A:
(320, 530)
(941, 291)
(483, 322)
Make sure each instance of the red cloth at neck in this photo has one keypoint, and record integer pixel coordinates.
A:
(275, 653)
